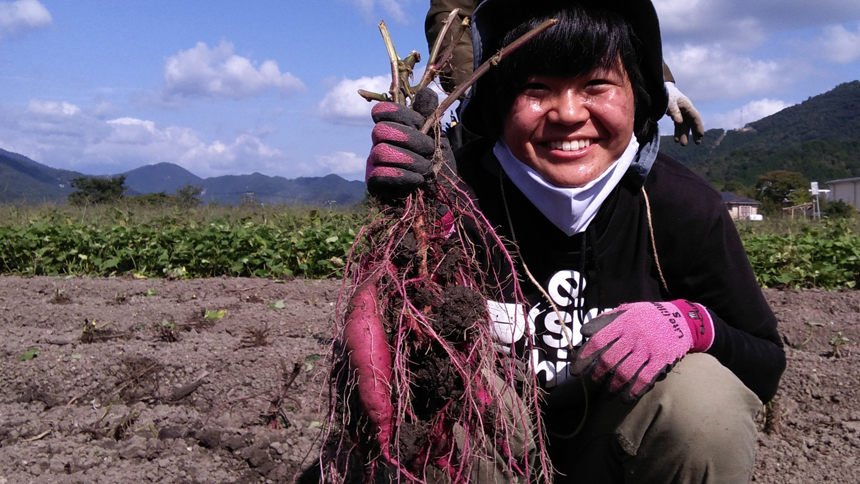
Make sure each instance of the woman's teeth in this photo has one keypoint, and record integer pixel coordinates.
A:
(570, 145)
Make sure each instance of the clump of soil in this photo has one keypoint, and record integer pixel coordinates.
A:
(436, 383)
(461, 309)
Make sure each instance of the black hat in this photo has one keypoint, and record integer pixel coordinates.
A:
(493, 19)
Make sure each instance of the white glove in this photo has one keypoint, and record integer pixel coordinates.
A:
(684, 115)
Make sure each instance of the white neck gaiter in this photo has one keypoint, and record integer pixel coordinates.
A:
(569, 209)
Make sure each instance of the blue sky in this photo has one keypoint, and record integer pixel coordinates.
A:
(268, 86)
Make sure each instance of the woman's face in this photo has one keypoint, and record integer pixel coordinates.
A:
(571, 129)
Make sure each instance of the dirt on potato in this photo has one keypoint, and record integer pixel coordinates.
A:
(224, 380)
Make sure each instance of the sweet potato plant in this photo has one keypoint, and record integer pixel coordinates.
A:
(419, 391)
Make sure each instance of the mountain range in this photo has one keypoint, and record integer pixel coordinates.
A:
(232, 189)
(23, 180)
(819, 138)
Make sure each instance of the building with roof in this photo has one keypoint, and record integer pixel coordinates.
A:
(741, 208)
(846, 189)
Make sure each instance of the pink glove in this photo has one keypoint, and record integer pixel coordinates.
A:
(401, 159)
(639, 342)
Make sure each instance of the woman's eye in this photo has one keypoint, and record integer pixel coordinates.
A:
(535, 87)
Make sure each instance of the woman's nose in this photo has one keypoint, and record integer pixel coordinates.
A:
(567, 108)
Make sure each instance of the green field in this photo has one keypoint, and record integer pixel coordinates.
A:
(255, 241)
(175, 242)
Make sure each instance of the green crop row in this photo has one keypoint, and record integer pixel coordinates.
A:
(825, 255)
(307, 245)
(279, 241)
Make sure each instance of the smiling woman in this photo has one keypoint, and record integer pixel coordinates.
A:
(570, 130)
(641, 316)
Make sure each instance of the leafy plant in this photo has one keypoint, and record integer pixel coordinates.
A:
(836, 342)
(812, 327)
(29, 354)
(166, 331)
(279, 304)
(278, 242)
(825, 255)
(60, 297)
(258, 242)
(212, 315)
(92, 331)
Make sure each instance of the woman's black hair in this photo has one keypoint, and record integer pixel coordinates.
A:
(590, 34)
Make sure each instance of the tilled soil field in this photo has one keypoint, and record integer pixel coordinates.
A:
(223, 380)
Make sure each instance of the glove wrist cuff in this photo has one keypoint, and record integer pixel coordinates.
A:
(700, 323)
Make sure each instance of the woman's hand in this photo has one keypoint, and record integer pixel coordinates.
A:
(401, 159)
(685, 116)
(638, 342)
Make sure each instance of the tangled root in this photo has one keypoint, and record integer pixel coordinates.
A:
(449, 411)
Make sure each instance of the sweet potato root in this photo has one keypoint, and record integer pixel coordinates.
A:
(370, 360)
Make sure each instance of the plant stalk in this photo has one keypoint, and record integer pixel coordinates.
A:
(434, 62)
(481, 70)
(395, 89)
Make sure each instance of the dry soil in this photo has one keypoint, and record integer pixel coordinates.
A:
(123, 380)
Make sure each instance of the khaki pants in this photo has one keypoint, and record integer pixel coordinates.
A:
(695, 426)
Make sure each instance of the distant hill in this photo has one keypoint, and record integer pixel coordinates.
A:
(231, 189)
(23, 180)
(819, 137)
(161, 177)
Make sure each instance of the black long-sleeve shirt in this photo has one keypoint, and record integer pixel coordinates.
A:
(700, 256)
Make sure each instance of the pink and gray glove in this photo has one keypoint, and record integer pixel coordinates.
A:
(401, 159)
(685, 116)
(638, 342)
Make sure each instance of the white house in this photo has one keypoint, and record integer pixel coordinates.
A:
(741, 208)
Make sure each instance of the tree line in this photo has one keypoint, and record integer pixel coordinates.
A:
(105, 190)
(774, 190)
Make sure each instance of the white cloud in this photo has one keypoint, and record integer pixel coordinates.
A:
(749, 113)
(343, 105)
(52, 108)
(707, 21)
(42, 126)
(706, 73)
(218, 73)
(137, 142)
(55, 122)
(18, 18)
(840, 45)
(744, 24)
(63, 135)
(790, 14)
(104, 109)
(390, 8)
(348, 165)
